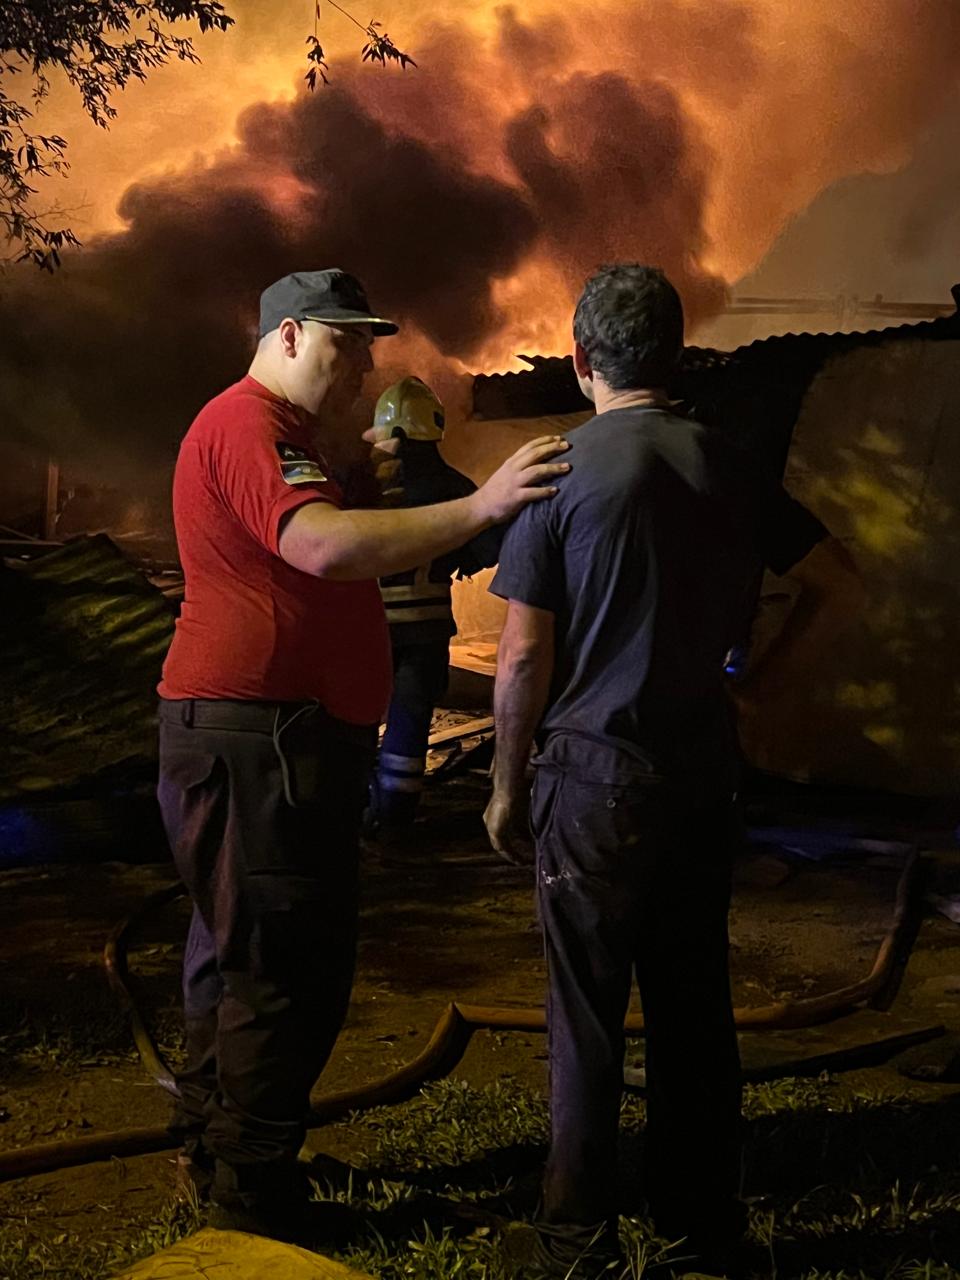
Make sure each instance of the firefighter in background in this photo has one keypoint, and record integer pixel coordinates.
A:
(409, 422)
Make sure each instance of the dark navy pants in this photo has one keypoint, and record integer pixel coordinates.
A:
(633, 876)
(420, 676)
(262, 807)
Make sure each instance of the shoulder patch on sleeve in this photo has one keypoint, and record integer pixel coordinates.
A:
(297, 467)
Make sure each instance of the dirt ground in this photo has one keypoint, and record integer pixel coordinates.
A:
(448, 921)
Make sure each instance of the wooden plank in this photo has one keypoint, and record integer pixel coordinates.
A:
(465, 730)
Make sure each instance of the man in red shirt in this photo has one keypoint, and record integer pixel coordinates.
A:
(275, 683)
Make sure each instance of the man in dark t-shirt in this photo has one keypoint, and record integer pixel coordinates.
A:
(625, 595)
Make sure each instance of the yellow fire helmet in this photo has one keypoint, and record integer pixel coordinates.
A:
(408, 408)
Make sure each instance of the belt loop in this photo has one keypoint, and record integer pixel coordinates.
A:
(186, 713)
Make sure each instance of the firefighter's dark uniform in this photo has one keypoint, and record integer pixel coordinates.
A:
(418, 608)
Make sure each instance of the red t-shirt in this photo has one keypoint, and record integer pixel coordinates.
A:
(252, 626)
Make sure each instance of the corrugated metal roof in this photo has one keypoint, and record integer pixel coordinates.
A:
(754, 392)
(83, 640)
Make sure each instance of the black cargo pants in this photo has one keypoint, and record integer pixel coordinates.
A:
(633, 874)
(262, 803)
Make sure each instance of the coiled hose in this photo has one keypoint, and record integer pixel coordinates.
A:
(447, 1043)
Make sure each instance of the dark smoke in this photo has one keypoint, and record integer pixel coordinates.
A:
(610, 169)
(434, 186)
(425, 233)
(144, 325)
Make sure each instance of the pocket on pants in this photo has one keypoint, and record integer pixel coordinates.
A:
(192, 791)
(186, 770)
(184, 778)
(611, 826)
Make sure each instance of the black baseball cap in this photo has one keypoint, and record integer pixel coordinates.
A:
(332, 295)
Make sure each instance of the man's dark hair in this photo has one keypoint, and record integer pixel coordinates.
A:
(629, 321)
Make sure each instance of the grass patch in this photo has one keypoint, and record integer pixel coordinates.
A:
(865, 1228)
(94, 1036)
(450, 1124)
(63, 1043)
(827, 1210)
(435, 1177)
(25, 1255)
(442, 1255)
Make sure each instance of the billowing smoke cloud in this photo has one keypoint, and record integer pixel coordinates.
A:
(472, 196)
(426, 234)
(603, 193)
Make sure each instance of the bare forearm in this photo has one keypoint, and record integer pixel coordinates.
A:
(320, 539)
(520, 698)
(374, 544)
(378, 543)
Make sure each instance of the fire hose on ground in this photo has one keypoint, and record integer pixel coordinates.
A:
(448, 1041)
